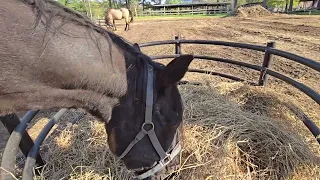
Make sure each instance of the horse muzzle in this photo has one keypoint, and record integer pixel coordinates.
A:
(163, 168)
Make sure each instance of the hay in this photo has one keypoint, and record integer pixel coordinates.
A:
(282, 106)
(252, 11)
(240, 144)
(222, 140)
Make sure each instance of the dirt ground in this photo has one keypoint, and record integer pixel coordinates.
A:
(296, 34)
(292, 33)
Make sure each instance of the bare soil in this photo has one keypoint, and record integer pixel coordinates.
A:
(292, 33)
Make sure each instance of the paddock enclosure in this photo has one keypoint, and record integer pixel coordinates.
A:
(238, 123)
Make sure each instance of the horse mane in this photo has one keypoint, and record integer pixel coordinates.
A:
(44, 15)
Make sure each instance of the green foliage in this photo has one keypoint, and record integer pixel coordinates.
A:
(281, 3)
(270, 3)
(97, 7)
(242, 2)
(173, 1)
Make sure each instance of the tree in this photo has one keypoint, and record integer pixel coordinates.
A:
(265, 3)
(95, 8)
(64, 2)
(134, 4)
(290, 5)
(282, 3)
(143, 5)
(235, 4)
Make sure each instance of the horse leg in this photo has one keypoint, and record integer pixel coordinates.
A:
(126, 26)
(11, 121)
(114, 25)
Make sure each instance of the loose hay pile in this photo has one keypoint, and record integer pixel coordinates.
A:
(221, 141)
(252, 11)
(240, 144)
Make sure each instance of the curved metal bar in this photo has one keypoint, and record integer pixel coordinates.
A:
(221, 43)
(251, 66)
(164, 56)
(299, 59)
(216, 74)
(31, 159)
(313, 128)
(306, 120)
(12, 147)
(307, 90)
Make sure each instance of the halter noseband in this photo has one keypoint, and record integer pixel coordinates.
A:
(147, 128)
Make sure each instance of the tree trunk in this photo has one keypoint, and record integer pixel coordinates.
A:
(142, 5)
(290, 5)
(135, 11)
(90, 9)
(110, 3)
(235, 3)
(314, 3)
(286, 8)
(265, 3)
(318, 6)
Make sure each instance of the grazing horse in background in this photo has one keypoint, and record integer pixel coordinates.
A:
(54, 57)
(117, 14)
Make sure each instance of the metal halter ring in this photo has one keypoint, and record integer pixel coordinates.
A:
(144, 129)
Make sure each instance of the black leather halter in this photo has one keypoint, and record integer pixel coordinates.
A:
(147, 128)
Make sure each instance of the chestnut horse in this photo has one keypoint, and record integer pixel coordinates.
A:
(54, 57)
(117, 14)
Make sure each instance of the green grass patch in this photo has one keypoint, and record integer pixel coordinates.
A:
(183, 16)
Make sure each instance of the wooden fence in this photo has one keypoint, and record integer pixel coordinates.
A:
(101, 22)
(184, 12)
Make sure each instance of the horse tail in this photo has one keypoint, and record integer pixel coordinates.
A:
(130, 13)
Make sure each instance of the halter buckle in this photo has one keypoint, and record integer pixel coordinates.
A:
(165, 160)
(145, 128)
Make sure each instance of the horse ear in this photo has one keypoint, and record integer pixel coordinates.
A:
(136, 46)
(174, 71)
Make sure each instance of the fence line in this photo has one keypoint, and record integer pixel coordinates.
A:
(183, 12)
(264, 68)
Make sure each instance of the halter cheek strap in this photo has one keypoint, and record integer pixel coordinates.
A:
(147, 128)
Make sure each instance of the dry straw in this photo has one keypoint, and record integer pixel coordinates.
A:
(231, 131)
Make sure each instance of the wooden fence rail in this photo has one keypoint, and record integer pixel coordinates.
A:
(183, 12)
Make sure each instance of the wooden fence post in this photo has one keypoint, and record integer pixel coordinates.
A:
(265, 65)
(177, 44)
